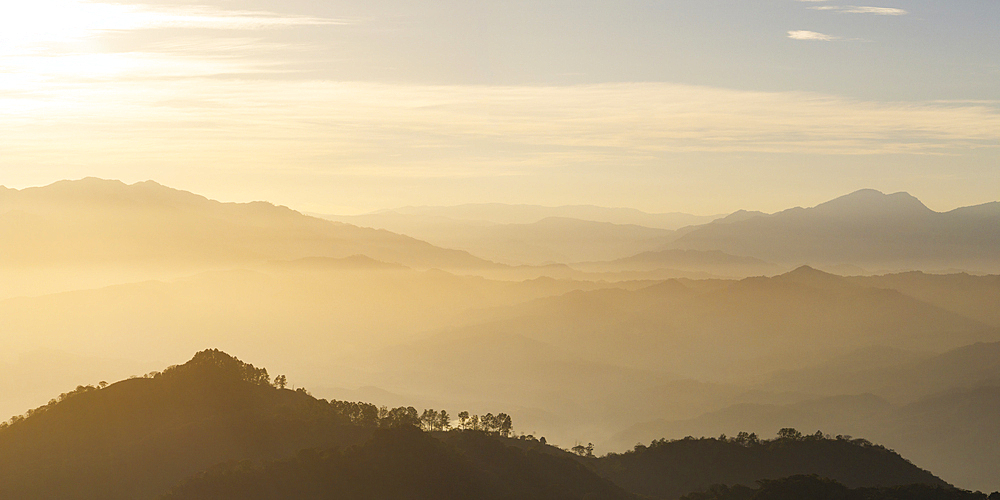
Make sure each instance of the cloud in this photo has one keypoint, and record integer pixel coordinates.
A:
(146, 17)
(37, 26)
(852, 9)
(368, 129)
(810, 35)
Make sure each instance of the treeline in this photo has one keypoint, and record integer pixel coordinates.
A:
(815, 487)
(785, 435)
(369, 415)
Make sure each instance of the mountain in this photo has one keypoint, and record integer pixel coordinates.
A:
(498, 213)
(548, 239)
(723, 329)
(899, 376)
(585, 364)
(94, 222)
(321, 317)
(975, 297)
(866, 228)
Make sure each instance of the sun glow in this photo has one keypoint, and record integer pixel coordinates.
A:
(32, 27)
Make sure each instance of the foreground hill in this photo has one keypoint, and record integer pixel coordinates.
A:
(815, 487)
(955, 433)
(865, 228)
(216, 427)
(669, 469)
(407, 463)
(96, 222)
(136, 438)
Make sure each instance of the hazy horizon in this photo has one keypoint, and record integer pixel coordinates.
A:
(346, 107)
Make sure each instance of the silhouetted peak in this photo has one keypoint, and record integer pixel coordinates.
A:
(868, 202)
(812, 277)
(216, 365)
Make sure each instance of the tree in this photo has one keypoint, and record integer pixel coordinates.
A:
(505, 424)
(488, 423)
(429, 420)
(789, 433)
(443, 421)
(463, 418)
(280, 381)
(401, 417)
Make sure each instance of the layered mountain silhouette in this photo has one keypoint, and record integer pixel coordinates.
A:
(94, 221)
(551, 239)
(632, 320)
(866, 228)
(715, 329)
(499, 213)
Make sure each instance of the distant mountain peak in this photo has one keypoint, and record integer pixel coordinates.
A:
(814, 278)
(871, 202)
(809, 271)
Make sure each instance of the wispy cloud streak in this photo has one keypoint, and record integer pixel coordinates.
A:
(853, 9)
(810, 35)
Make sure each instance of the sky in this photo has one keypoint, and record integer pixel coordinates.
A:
(700, 106)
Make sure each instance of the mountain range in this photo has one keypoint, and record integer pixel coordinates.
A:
(633, 333)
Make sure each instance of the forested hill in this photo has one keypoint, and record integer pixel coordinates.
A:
(669, 469)
(137, 438)
(405, 463)
(218, 428)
